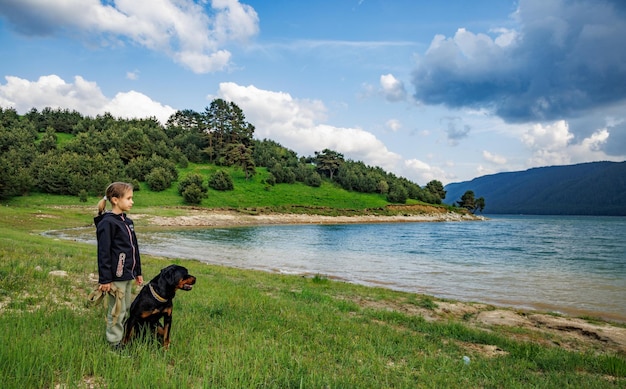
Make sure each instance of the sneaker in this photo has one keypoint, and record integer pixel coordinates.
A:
(119, 350)
(116, 346)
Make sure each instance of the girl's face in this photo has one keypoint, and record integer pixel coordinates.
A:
(124, 203)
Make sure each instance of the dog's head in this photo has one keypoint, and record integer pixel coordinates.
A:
(178, 277)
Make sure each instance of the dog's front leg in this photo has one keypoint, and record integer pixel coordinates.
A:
(167, 326)
(129, 330)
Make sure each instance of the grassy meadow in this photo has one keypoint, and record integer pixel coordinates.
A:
(243, 329)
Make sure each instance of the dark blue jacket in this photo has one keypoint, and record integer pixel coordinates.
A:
(118, 254)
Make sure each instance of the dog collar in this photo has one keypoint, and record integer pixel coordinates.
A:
(155, 295)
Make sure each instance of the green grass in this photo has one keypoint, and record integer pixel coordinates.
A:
(255, 193)
(251, 195)
(241, 328)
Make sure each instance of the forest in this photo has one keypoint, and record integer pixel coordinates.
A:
(59, 151)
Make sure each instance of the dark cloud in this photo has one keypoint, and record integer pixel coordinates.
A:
(616, 145)
(25, 19)
(565, 58)
(455, 130)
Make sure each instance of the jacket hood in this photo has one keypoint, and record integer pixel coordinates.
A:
(99, 218)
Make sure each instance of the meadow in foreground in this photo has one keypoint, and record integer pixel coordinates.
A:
(241, 328)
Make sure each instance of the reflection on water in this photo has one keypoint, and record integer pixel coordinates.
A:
(569, 264)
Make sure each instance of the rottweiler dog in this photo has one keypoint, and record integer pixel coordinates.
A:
(154, 302)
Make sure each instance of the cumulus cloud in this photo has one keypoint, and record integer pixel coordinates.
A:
(392, 88)
(299, 125)
(554, 144)
(550, 137)
(189, 32)
(564, 59)
(422, 172)
(133, 104)
(81, 95)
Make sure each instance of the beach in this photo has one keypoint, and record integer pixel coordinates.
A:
(230, 218)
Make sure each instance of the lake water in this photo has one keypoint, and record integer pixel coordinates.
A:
(569, 264)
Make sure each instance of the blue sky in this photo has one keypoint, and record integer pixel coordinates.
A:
(447, 90)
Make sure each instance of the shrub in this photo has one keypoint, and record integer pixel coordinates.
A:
(135, 184)
(159, 179)
(157, 161)
(383, 187)
(270, 180)
(183, 162)
(192, 179)
(193, 194)
(82, 196)
(397, 194)
(313, 179)
(137, 168)
(221, 181)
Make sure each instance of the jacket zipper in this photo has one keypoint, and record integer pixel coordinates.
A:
(132, 245)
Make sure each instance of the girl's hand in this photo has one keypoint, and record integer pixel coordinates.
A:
(139, 280)
(104, 287)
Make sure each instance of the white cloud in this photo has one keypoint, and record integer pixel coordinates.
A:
(590, 148)
(134, 75)
(422, 172)
(393, 125)
(52, 91)
(494, 158)
(548, 143)
(464, 50)
(482, 171)
(234, 21)
(553, 144)
(137, 105)
(506, 37)
(298, 124)
(392, 88)
(81, 95)
(183, 29)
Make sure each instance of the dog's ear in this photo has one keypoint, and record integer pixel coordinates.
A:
(168, 274)
(173, 273)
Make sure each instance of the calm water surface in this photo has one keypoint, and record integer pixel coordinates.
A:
(574, 265)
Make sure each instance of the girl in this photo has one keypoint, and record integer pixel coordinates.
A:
(118, 257)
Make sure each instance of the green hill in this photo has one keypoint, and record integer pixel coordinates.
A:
(254, 192)
(595, 188)
(65, 153)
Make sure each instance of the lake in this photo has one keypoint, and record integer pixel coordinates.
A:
(569, 264)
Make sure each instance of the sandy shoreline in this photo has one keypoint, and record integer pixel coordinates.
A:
(226, 218)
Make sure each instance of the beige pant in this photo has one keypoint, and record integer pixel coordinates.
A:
(115, 332)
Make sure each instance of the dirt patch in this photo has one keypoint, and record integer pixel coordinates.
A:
(567, 332)
(501, 317)
(485, 350)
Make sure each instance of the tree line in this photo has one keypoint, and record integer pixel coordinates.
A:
(59, 151)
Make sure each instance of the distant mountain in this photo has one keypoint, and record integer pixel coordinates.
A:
(595, 188)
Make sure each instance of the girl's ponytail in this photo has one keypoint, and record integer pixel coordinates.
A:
(102, 205)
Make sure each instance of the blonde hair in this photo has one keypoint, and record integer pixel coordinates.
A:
(116, 189)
